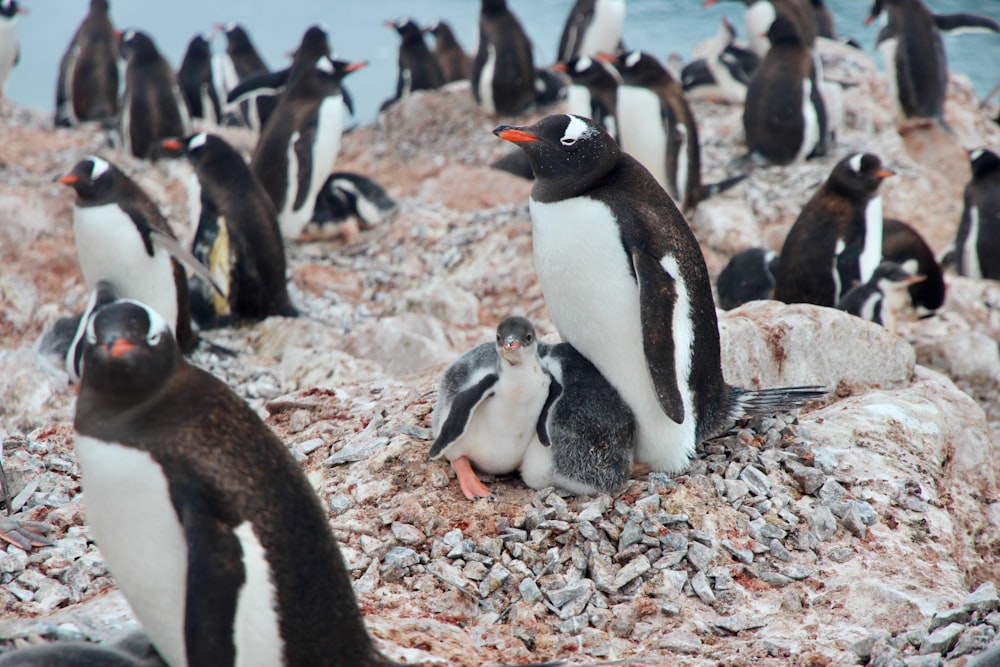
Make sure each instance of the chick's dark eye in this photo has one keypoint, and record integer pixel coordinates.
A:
(529, 338)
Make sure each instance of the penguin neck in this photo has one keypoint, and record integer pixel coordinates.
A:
(569, 183)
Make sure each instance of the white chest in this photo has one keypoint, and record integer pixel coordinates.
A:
(8, 49)
(256, 630)
(486, 80)
(810, 128)
(605, 31)
(642, 133)
(970, 248)
(871, 252)
(578, 101)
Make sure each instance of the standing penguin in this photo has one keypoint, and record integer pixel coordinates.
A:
(503, 72)
(490, 406)
(153, 107)
(784, 116)
(298, 147)
(760, 15)
(87, 89)
(10, 51)
(836, 241)
(122, 238)
(913, 54)
(977, 244)
(197, 81)
(592, 27)
(239, 62)
(593, 91)
(418, 68)
(883, 297)
(202, 513)
(626, 285)
(450, 55)
(237, 237)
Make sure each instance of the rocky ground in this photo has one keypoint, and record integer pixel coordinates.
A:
(863, 530)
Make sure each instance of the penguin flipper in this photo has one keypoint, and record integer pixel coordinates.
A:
(657, 302)
(183, 255)
(462, 408)
(263, 83)
(542, 427)
(303, 147)
(965, 23)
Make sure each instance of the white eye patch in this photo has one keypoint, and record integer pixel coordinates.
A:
(633, 59)
(583, 64)
(577, 129)
(324, 64)
(100, 167)
(197, 141)
(856, 162)
(976, 154)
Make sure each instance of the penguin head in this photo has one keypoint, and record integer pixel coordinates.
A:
(858, 175)
(9, 9)
(638, 68)
(315, 44)
(587, 71)
(983, 161)
(137, 46)
(892, 277)
(407, 29)
(515, 340)
(875, 11)
(493, 6)
(335, 70)
(93, 179)
(201, 45)
(784, 31)
(237, 39)
(129, 351)
(359, 196)
(565, 151)
(196, 146)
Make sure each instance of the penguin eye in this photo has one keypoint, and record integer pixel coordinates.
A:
(153, 339)
(529, 338)
(567, 141)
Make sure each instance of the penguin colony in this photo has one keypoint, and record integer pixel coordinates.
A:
(636, 380)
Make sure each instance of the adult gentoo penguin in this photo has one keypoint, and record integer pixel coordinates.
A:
(883, 297)
(503, 72)
(418, 69)
(723, 71)
(593, 91)
(87, 89)
(913, 53)
(298, 148)
(836, 242)
(626, 285)
(131, 650)
(489, 406)
(760, 15)
(239, 62)
(784, 116)
(977, 243)
(201, 512)
(237, 237)
(904, 245)
(748, 276)
(592, 27)
(10, 51)
(450, 55)
(197, 81)
(122, 238)
(153, 107)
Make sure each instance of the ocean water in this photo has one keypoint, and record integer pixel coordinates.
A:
(357, 33)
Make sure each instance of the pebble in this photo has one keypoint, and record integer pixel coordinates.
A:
(822, 523)
(699, 583)
(779, 551)
(840, 554)
(942, 618)
(529, 590)
(742, 555)
(681, 641)
(739, 623)
(973, 640)
(983, 599)
(406, 533)
(809, 479)
(942, 639)
(699, 555)
(635, 568)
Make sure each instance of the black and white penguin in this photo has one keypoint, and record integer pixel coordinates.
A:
(131, 650)
(454, 61)
(197, 81)
(913, 53)
(784, 116)
(749, 276)
(902, 244)
(883, 298)
(239, 62)
(977, 243)
(490, 404)
(201, 512)
(122, 238)
(591, 431)
(626, 285)
(593, 91)
(836, 241)
(103, 294)
(153, 107)
(760, 15)
(723, 71)
(344, 197)
(10, 51)
(592, 27)
(503, 71)
(237, 237)
(87, 89)
(418, 69)
(298, 147)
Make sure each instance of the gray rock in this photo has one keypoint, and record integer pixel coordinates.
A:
(562, 596)
(669, 560)
(494, 579)
(841, 554)
(831, 491)
(853, 522)
(635, 568)
(796, 572)
(340, 503)
(51, 594)
(699, 582)
(401, 557)
(631, 534)
(922, 661)
(973, 640)
(809, 479)
(588, 531)
(13, 562)
(756, 480)
(649, 505)
(775, 579)
(739, 623)
(984, 598)
(949, 616)
(942, 639)
(742, 555)
(772, 532)
(575, 625)
(681, 641)
(407, 533)
(700, 536)
(736, 490)
(699, 555)
(779, 551)
(529, 590)
(822, 523)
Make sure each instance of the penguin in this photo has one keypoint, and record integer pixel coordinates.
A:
(749, 276)
(724, 71)
(503, 72)
(239, 62)
(591, 431)
(201, 512)
(452, 58)
(658, 128)
(130, 650)
(784, 116)
(196, 80)
(836, 241)
(592, 27)
(103, 294)
(10, 51)
(122, 238)
(153, 107)
(593, 91)
(237, 237)
(760, 15)
(490, 405)
(344, 196)
(87, 87)
(824, 19)
(298, 147)
(977, 242)
(626, 284)
(418, 69)
(883, 297)
(913, 54)
(902, 244)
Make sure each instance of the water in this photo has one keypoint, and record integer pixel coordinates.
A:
(357, 33)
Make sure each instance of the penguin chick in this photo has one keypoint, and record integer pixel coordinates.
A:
(344, 196)
(450, 55)
(748, 276)
(883, 298)
(977, 242)
(489, 404)
(87, 87)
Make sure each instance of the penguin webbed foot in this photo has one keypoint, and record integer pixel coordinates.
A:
(472, 487)
(25, 534)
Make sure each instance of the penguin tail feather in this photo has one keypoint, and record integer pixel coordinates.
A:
(712, 189)
(750, 402)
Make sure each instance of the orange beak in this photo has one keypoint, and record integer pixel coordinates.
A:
(513, 134)
(120, 347)
(559, 67)
(354, 67)
(607, 57)
(389, 24)
(885, 173)
(172, 144)
(68, 179)
(709, 3)
(915, 279)
(868, 21)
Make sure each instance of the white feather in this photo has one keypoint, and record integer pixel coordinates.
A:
(256, 629)
(970, 248)
(871, 252)
(642, 132)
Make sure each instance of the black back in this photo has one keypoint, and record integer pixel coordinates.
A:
(87, 87)
(514, 72)
(195, 78)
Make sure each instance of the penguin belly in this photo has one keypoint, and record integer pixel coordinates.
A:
(682, 167)
(486, 77)
(593, 300)
(133, 520)
(578, 101)
(971, 267)
(605, 30)
(256, 629)
(8, 50)
(110, 248)
(642, 132)
(810, 123)
(871, 252)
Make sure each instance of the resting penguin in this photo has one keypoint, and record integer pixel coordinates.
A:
(418, 69)
(489, 406)
(913, 53)
(902, 244)
(207, 523)
(977, 244)
(883, 297)
(197, 82)
(237, 237)
(298, 147)
(591, 431)
(450, 55)
(836, 241)
(784, 116)
(748, 276)
(10, 51)
(345, 196)
(592, 27)
(503, 72)
(122, 238)
(153, 107)
(87, 88)
(130, 650)
(593, 91)
(724, 70)
(626, 285)
(760, 15)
